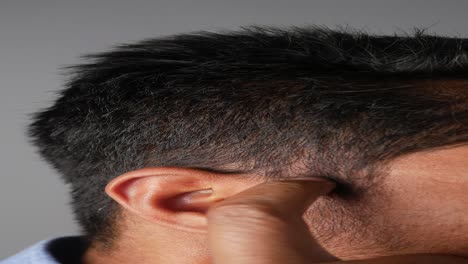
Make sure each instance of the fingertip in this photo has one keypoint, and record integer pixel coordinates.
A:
(325, 186)
(314, 179)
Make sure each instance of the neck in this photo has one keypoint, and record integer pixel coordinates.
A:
(178, 248)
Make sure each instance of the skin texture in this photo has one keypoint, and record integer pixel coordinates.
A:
(420, 208)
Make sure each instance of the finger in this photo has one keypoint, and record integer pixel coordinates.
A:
(264, 224)
(283, 198)
(409, 259)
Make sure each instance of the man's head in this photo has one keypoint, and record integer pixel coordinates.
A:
(165, 116)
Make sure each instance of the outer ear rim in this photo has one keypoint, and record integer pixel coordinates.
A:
(171, 171)
(143, 172)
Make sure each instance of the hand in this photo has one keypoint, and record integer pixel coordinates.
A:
(264, 225)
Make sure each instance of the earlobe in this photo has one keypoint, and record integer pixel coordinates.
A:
(173, 197)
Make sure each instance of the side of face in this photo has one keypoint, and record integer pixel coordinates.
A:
(421, 206)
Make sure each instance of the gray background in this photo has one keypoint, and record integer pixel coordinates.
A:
(37, 37)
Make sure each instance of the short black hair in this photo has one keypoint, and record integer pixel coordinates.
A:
(261, 97)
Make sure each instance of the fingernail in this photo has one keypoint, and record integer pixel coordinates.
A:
(200, 193)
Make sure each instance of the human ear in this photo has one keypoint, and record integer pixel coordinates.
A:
(175, 197)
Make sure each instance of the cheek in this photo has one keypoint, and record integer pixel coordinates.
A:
(352, 230)
(402, 216)
(432, 210)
